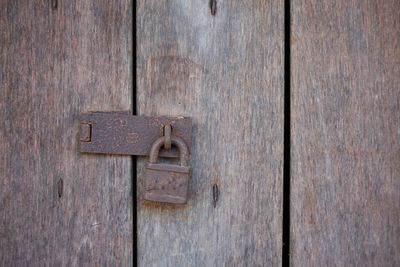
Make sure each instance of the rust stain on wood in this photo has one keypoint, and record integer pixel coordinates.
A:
(215, 194)
(60, 187)
(213, 7)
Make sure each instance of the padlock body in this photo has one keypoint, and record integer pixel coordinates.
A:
(166, 183)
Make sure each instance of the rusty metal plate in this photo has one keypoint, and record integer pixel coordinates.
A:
(167, 183)
(125, 134)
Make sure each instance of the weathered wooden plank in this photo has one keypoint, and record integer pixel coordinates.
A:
(345, 208)
(226, 72)
(58, 207)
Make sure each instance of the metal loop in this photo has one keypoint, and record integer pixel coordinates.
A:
(183, 149)
(167, 135)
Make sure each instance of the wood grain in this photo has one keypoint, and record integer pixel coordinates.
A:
(345, 207)
(58, 207)
(225, 71)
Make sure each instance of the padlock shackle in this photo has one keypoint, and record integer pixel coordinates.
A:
(183, 150)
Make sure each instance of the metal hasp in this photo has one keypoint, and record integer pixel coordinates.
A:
(167, 182)
(125, 134)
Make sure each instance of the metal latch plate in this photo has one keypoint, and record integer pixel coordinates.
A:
(125, 134)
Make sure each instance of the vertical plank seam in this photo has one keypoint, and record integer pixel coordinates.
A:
(286, 140)
(134, 158)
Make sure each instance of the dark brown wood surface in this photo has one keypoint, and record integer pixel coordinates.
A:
(345, 190)
(225, 71)
(58, 207)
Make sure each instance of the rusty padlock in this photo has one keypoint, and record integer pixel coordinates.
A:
(167, 182)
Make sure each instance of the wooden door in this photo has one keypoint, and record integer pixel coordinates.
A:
(296, 109)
